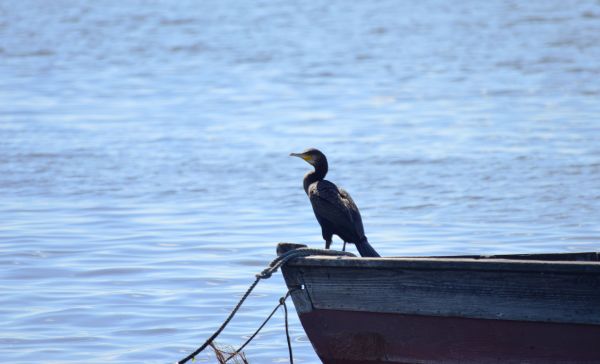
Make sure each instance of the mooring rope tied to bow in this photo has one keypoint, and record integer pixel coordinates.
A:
(287, 333)
(265, 274)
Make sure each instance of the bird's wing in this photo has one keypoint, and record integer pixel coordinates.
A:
(329, 204)
(353, 210)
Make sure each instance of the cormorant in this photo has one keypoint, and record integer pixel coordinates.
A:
(333, 206)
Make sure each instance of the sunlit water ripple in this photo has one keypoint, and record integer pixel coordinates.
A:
(144, 169)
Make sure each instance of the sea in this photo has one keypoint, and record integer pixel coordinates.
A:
(145, 175)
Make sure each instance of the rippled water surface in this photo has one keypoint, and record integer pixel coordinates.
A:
(144, 169)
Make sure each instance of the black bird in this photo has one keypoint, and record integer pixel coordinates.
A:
(333, 206)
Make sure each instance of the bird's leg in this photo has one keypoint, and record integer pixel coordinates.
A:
(327, 236)
(344, 248)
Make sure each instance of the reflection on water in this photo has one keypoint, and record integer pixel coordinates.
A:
(144, 167)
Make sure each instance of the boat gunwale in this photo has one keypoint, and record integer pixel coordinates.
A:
(450, 263)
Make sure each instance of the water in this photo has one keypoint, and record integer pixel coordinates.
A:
(144, 168)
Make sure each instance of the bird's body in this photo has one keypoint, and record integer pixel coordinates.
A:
(336, 212)
(334, 209)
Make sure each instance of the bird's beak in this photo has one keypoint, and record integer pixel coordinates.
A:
(306, 157)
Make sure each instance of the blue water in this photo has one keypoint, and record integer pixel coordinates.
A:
(144, 168)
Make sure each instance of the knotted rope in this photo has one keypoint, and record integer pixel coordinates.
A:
(265, 274)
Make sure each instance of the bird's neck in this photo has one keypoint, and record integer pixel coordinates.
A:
(313, 176)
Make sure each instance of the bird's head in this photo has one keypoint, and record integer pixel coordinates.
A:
(312, 155)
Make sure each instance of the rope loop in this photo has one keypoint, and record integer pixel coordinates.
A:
(265, 274)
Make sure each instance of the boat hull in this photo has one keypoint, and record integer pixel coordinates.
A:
(509, 309)
(353, 337)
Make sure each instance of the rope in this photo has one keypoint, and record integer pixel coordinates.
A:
(265, 274)
(287, 329)
(281, 303)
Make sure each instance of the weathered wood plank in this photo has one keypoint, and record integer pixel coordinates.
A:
(568, 293)
(555, 257)
(575, 267)
(302, 301)
(299, 293)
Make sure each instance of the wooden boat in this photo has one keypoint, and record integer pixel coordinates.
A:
(538, 308)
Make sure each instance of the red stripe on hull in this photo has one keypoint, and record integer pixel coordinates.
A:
(376, 338)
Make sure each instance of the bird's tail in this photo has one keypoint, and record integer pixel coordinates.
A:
(365, 249)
